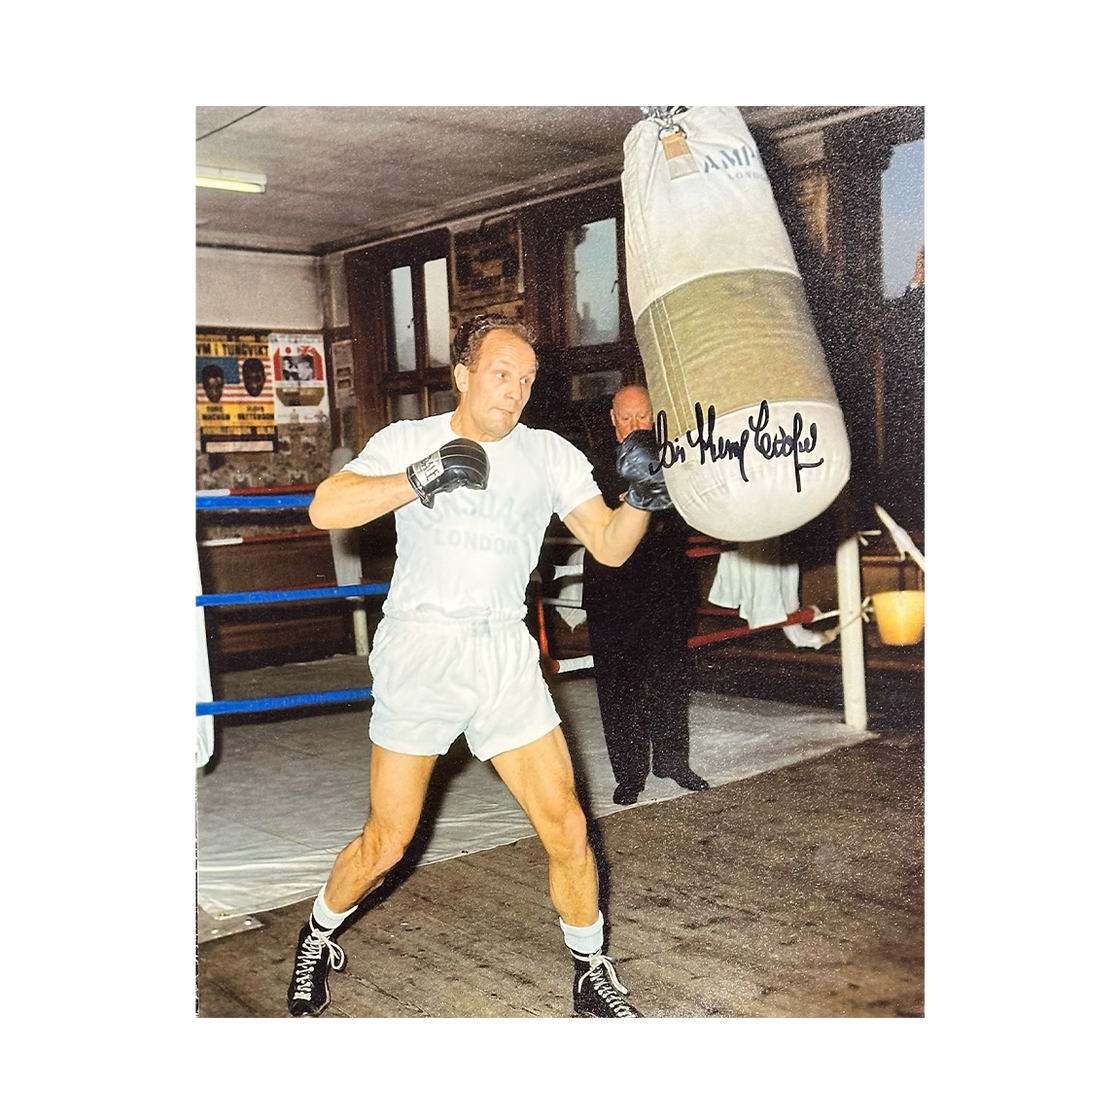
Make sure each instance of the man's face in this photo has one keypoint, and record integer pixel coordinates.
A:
(632, 410)
(212, 385)
(495, 392)
(254, 380)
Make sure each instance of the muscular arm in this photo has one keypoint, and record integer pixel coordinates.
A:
(346, 499)
(610, 535)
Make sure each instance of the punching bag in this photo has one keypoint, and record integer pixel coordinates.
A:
(752, 439)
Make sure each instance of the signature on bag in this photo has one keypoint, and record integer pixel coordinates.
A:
(755, 438)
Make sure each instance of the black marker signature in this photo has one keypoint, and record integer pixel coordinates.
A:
(754, 436)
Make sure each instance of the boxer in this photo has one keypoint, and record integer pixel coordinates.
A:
(472, 492)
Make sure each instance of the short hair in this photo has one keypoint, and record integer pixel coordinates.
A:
(469, 336)
(252, 365)
(211, 370)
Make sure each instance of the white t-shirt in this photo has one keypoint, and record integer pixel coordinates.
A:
(471, 554)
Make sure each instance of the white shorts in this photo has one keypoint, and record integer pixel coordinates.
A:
(435, 680)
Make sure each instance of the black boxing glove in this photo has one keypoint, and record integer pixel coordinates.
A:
(460, 462)
(639, 464)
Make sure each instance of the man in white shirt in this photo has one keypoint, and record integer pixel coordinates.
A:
(452, 654)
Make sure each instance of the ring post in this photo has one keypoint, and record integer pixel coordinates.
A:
(851, 633)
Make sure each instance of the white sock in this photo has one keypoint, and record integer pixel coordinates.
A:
(584, 939)
(324, 917)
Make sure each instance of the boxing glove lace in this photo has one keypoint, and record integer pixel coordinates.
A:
(460, 462)
(639, 465)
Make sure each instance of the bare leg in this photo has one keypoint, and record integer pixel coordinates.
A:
(540, 776)
(397, 786)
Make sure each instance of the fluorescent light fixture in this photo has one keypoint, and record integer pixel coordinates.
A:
(219, 179)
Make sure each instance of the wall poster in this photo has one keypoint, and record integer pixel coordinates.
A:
(233, 392)
(299, 374)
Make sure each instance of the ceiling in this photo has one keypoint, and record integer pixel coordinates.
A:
(342, 176)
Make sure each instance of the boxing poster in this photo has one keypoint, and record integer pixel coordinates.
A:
(299, 374)
(233, 393)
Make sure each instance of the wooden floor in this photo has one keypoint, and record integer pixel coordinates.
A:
(796, 893)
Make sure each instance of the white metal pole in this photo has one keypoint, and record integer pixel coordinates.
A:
(849, 593)
(361, 632)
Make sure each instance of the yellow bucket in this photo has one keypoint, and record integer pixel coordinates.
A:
(900, 616)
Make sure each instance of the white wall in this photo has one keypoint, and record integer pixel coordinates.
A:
(264, 291)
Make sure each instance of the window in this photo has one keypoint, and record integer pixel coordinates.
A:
(576, 297)
(404, 311)
(903, 216)
(591, 283)
(419, 363)
(399, 314)
(402, 337)
(900, 371)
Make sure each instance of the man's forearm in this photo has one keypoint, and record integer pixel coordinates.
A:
(346, 500)
(622, 534)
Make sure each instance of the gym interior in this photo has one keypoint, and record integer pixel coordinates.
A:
(331, 277)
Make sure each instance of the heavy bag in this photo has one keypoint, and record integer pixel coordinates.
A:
(752, 439)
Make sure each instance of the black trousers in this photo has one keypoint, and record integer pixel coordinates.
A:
(642, 677)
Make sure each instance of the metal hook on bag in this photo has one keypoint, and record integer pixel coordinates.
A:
(664, 114)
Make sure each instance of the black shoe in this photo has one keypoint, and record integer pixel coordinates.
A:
(684, 777)
(596, 990)
(627, 794)
(316, 955)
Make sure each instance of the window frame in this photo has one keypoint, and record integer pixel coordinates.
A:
(369, 293)
(545, 224)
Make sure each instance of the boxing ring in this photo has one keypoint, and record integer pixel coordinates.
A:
(288, 793)
(853, 609)
(281, 498)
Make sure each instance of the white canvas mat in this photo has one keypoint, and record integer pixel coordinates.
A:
(286, 796)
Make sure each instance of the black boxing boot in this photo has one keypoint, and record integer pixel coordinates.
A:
(316, 955)
(597, 992)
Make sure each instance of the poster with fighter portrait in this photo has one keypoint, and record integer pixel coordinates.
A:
(234, 393)
(299, 373)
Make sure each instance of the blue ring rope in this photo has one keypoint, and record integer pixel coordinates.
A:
(297, 700)
(353, 590)
(259, 501)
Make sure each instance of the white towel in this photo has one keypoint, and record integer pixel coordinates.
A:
(571, 587)
(755, 581)
(805, 638)
(765, 591)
